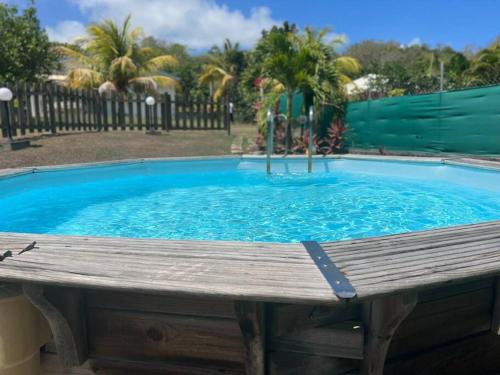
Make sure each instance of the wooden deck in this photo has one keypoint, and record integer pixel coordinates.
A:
(264, 272)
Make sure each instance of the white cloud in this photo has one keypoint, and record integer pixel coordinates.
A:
(66, 31)
(415, 42)
(197, 23)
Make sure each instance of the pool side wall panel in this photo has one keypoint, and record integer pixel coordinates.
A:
(448, 332)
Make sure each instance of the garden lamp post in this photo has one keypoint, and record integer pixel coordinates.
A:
(310, 143)
(5, 98)
(150, 102)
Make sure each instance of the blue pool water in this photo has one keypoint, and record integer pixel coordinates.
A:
(233, 199)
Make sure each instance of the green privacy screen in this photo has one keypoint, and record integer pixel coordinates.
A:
(465, 121)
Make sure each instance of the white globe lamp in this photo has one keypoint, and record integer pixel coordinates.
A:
(5, 94)
(150, 101)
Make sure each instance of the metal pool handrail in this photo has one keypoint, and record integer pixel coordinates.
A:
(270, 146)
(310, 144)
(270, 139)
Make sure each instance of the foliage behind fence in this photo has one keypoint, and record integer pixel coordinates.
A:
(53, 108)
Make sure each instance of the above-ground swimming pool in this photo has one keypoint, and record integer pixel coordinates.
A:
(233, 199)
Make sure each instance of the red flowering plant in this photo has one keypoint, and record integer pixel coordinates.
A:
(278, 139)
(335, 142)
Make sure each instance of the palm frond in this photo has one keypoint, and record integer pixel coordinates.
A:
(158, 80)
(144, 84)
(82, 78)
(160, 62)
(347, 65)
(74, 54)
(122, 66)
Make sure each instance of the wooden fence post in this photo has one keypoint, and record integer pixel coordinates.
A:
(36, 100)
(138, 100)
(72, 116)
(114, 121)
(52, 114)
(198, 112)
(177, 113)
(212, 112)
(121, 112)
(3, 119)
(130, 106)
(154, 114)
(29, 111)
(18, 97)
(96, 99)
(184, 117)
(57, 103)
(77, 96)
(44, 110)
(169, 112)
(105, 115)
(191, 113)
(227, 118)
(205, 113)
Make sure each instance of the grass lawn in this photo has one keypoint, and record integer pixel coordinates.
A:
(91, 147)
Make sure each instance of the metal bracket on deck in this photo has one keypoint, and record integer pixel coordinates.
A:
(337, 280)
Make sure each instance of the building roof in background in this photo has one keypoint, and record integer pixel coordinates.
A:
(362, 84)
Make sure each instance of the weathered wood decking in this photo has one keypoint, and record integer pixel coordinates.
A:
(255, 271)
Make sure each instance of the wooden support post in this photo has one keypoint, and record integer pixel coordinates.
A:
(382, 318)
(66, 322)
(495, 317)
(250, 317)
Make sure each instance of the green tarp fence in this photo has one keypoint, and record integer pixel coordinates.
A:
(464, 121)
(297, 104)
(298, 109)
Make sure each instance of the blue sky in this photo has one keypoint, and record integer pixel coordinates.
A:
(201, 23)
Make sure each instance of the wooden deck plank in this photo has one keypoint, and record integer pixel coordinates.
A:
(255, 271)
(267, 272)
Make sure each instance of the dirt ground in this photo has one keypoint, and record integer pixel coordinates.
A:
(95, 146)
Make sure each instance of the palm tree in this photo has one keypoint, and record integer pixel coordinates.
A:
(485, 68)
(223, 68)
(327, 72)
(110, 58)
(304, 62)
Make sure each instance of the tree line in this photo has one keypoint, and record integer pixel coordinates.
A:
(285, 60)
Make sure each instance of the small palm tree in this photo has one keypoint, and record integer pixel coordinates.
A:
(307, 63)
(110, 58)
(485, 68)
(222, 68)
(327, 72)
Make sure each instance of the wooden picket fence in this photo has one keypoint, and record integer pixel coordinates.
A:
(53, 108)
